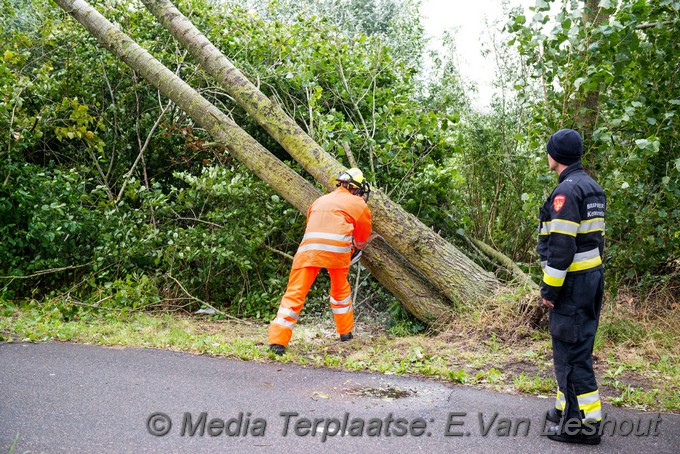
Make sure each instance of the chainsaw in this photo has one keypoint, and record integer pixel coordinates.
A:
(356, 255)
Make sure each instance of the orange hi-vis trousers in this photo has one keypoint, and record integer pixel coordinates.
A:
(299, 283)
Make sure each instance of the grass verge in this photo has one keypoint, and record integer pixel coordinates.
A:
(636, 360)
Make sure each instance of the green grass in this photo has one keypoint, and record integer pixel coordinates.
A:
(13, 446)
(641, 372)
(535, 384)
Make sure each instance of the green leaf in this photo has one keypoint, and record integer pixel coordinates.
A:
(542, 5)
(579, 81)
(642, 143)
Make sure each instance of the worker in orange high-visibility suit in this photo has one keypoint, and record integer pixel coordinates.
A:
(338, 226)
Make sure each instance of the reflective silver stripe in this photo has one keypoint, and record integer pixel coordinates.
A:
(589, 398)
(594, 416)
(554, 272)
(564, 227)
(287, 312)
(583, 256)
(594, 225)
(344, 302)
(544, 263)
(324, 247)
(544, 229)
(327, 236)
(590, 405)
(341, 310)
(284, 322)
(346, 305)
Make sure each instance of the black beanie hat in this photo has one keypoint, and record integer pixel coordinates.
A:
(565, 146)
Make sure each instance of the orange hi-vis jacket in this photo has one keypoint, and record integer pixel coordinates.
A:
(335, 222)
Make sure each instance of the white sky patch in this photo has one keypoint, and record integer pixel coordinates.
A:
(470, 19)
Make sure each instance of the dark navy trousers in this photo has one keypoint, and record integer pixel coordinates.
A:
(573, 324)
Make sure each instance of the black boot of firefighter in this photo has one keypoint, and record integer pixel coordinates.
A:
(553, 415)
(277, 349)
(584, 434)
(346, 337)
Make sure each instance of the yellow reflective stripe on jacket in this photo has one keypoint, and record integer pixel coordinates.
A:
(572, 228)
(591, 406)
(582, 261)
(592, 225)
(553, 276)
(586, 260)
(565, 227)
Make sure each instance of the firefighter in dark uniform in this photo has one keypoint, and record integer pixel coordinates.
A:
(571, 241)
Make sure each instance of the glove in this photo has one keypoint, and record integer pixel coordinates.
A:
(356, 256)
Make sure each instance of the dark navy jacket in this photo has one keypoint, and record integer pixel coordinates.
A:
(571, 229)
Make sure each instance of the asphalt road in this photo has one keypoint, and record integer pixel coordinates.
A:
(69, 398)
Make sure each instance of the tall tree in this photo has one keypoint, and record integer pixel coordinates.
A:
(586, 104)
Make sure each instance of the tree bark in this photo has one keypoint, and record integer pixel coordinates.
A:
(586, 108)
(444, 266)
(503, 260)
(387, 265)
(400, 279)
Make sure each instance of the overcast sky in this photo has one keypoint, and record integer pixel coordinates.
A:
(469, 18)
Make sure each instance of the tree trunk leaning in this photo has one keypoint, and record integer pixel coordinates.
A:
(404, 283)
(444, 266)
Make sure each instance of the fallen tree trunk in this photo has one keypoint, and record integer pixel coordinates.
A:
(388, 267)
(504, 261)
(444, 266)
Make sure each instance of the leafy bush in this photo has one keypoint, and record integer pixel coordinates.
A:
(86, 208)
(48, 223)
(605, 69)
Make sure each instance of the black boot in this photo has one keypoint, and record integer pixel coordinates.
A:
(346, 337)
(584, 436)
(554, 415)
(277, 349)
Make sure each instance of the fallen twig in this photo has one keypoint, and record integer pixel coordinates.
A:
(236, 319)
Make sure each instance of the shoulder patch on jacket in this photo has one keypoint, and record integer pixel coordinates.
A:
(558, 202)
